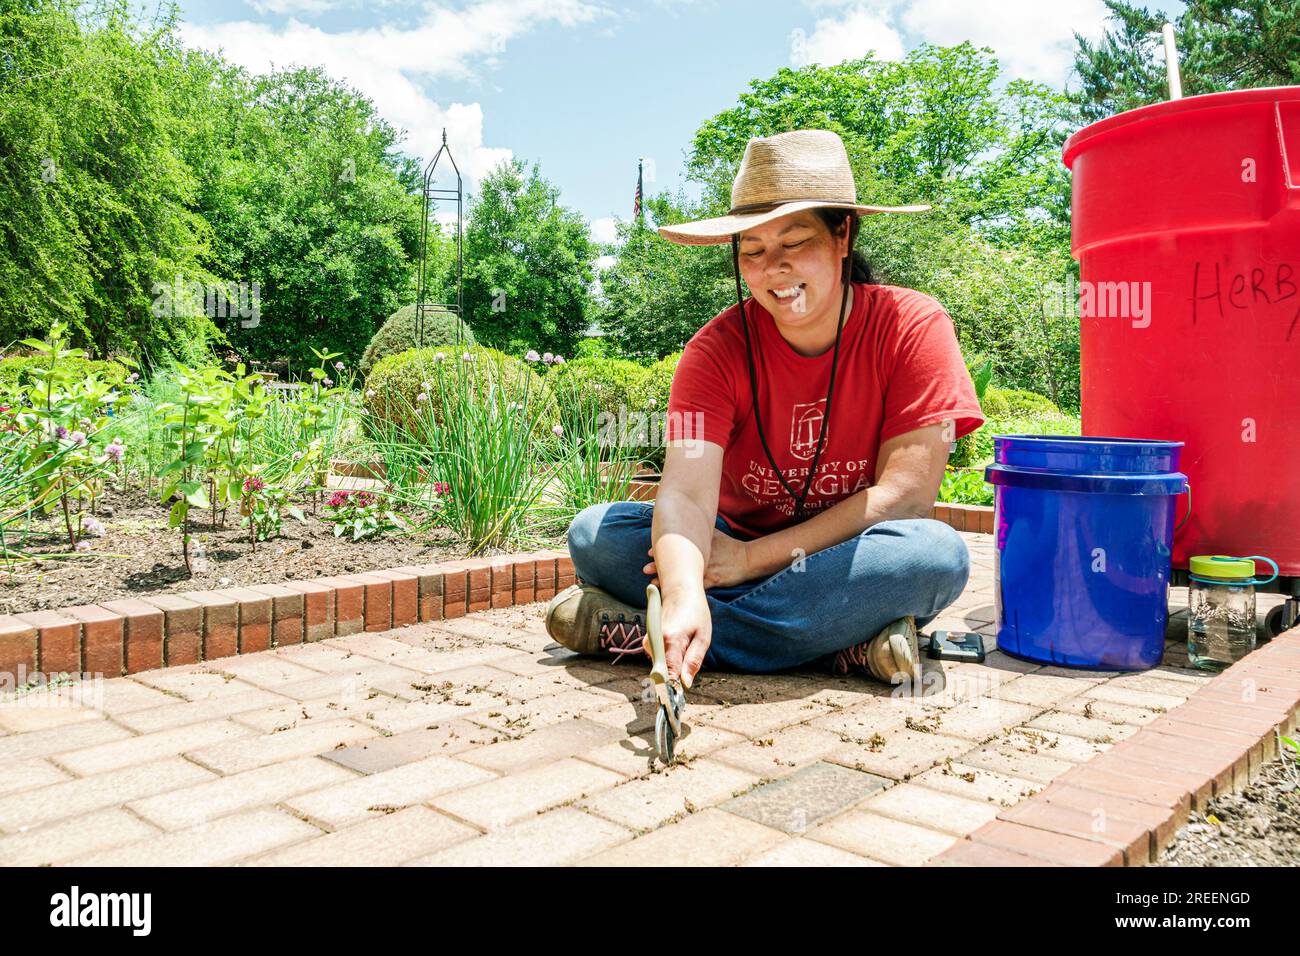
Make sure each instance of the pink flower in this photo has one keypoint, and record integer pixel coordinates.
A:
(115, 450)
(253, 484)
(547, 358)
(559, 360)
(532, 356)
(559, 430)
(339, 366)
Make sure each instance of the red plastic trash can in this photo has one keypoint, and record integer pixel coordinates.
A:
(1186, 225)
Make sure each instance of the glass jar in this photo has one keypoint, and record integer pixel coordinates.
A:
(1221, 609)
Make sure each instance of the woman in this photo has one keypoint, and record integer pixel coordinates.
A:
(819, 373)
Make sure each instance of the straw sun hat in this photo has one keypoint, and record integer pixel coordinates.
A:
(781, 174)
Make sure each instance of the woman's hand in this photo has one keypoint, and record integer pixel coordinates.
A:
(728, 563)
(687, 629)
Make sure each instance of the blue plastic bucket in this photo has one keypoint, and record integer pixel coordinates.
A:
(1084, 529)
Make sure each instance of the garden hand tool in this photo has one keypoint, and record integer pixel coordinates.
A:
(672, 700)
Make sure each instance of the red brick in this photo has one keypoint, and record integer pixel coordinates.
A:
(564, 573)
(406, 596)
(349, 605)
(220, 623)
(182, 629)
(430, 578)
(1224, 766)
(1161, 823)
(317, 609)
(544, 575)
(144, 633)
(970, 853)
(1128, 836)
(525, 583)
(17, 649)
(286, 613)
(58, 643)
(1092, 776)
(503, 581)
(942, 512)
(254, 619)
(1217, 716)
(455, 590)
(378, 600)
(1046, 844)
(103, 636)
(986, 521)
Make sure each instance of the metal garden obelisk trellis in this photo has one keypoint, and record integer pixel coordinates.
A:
(431, 195)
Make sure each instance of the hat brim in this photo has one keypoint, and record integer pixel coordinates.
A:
(720, 229)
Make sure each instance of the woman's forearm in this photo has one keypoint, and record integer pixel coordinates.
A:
(837, 524)
(680, 534)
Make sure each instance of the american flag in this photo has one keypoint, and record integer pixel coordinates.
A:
(636, 206)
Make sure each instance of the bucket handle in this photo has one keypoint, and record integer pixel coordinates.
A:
(1179, 526)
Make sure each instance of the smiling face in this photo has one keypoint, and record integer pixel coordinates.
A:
(792, 266)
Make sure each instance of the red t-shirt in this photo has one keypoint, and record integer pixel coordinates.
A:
(900, 369)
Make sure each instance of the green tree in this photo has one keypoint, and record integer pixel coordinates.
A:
(1222, 45)
(97, 202)
(317, 207)
(527, 264)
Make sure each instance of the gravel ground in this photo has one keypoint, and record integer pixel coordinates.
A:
(1258, 826)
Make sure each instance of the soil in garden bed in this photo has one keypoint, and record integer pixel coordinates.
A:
(1258, 826)
(140, 556)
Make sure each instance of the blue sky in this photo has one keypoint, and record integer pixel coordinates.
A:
(585, 87)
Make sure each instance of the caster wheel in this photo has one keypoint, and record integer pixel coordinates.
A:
(1273, 622)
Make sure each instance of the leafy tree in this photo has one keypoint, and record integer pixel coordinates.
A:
(1222, 45)
(97, 204)
(319, 210)
(527, 264)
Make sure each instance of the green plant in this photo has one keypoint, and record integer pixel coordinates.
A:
(363, 514)
(61, 418)
(399, 333)
(394, 387)
(263, 507)
(965, 486)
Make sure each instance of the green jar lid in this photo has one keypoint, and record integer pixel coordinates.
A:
(1221, 566)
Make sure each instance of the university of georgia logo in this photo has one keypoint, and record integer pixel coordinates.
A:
(805, 428)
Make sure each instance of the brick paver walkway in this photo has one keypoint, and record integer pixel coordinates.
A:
(478, 740)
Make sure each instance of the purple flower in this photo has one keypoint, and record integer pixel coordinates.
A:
(78, 438)
(559, 430)
(61, 432)
(329, 382)
(547, 358)
(83, 545)
(439, 356)
(532, 356)
(339, 366)
(92, 526)
(466, 357)
(559, 360)
(115, 450)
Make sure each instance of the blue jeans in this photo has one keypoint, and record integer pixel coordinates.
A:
(841, 596)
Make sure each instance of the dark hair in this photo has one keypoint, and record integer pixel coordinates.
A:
(834, 219)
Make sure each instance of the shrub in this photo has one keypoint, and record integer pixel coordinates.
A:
(394, 387)
(1016, 402)
(16, 370)
(398, 333)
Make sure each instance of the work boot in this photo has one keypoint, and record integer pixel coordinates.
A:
(894, 651)
(588, 620)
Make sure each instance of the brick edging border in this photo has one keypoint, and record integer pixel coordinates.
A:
(1124, 806)
(123, 637)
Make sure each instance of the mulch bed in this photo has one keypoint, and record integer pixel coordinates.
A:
(1258, 826)
(140, 556)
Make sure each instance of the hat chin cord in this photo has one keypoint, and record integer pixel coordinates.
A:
(846, 275)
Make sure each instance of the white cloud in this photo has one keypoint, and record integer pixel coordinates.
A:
(604, 262)
(834, 41)
(603, 230)
(391, 65)
(1032, 39)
